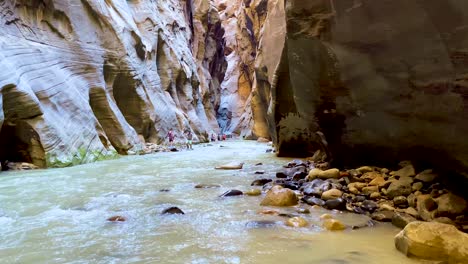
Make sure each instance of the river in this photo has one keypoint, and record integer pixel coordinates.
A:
(59, 215)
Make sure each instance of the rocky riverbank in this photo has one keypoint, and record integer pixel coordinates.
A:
(416, 201)
(400, 196)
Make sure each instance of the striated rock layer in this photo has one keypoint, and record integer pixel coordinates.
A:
(366, 84)
(85, 78)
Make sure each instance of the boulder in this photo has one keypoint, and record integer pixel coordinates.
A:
(378, 181)
(375, 195)
(310, 200)
(426, 207)
(326, 216)
(411, 211)
(324, 174)
(370, 189)
(370, 176)
(357, 185)
(364, 169)
(333, 225)
(335, 204)
(426, 176)
(232, 193)
(297, 222)
(401, 187)
(417, 186)
(253, 192)
(406, 171)
(369, 206)
(400, 220)
(279, 196)
(383, 216)
(451, 205)
(331, 194)
(172, 210)
(263, 140)
(400, 201)
(433, 241)
(260, 182)
(231, 166)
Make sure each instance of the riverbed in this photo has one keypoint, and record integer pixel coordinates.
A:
(59, 215)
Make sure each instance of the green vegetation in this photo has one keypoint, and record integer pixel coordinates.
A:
(82, 156)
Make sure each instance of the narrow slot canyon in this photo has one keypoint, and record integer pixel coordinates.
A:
(233, 131)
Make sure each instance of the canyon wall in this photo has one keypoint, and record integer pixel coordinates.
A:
(369, 81)
(243, 22)
(89, 78)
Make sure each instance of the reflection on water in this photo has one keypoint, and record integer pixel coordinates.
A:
(59, 215)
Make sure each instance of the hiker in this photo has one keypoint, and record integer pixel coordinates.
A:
(171, 137)
(213, 137)
(224, 137)
(189, 140)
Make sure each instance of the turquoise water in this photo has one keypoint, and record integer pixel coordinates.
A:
(59, 215)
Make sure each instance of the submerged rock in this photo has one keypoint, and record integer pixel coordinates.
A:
(260, 182)
(172, 210)
(117, 218)
(333, 225)
(206, 186)
(253, 192)
(231, 166)
(433, 241)
(261, 224)
(297, 222)
(232, 193)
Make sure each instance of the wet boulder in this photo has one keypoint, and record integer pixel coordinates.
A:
(433, 241)
(324, 174)
(253, 192)
(310, 200)
(232, 193)
(260, 182)
(331, 194)
(335, 204)
(116, 218)
(279, 196)
(231, 166)
(172, 210)
(333, 225)
(297, 222)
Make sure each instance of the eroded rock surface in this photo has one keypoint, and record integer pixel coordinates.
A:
(351, 79)
(83, 79)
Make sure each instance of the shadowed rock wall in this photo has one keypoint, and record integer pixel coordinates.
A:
(98, 76)
(379, 85)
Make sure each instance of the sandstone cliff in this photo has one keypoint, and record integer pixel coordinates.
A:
(382, 80)
(92, 77)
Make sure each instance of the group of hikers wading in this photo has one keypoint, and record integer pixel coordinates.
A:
(189, 138)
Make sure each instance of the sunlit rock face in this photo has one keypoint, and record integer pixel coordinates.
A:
(101, 76)
(379, 85)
